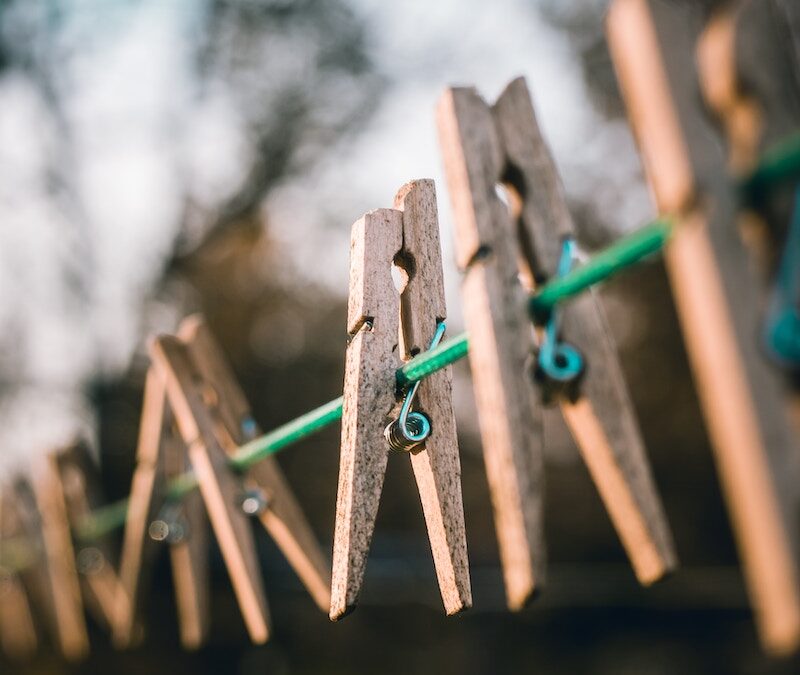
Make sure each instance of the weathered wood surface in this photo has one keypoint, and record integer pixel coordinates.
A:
(283, 518)
(436, 463)
(602, 422)
(369, 398)
(718, 299)
(220, 488)
(501, 337)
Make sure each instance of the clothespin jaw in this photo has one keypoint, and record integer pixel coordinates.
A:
(18, 639)
(280, 513)
(80, 484)
(718, 301)
(190, 399)
(381, 322)
(162, 455)
(598, 413)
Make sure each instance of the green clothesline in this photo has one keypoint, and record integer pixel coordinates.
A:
(617, 257)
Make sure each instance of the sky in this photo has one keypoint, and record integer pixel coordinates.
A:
(87, 226)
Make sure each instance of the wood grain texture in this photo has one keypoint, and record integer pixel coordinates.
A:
(59, 558)
(369, 398)
(18, 638)
(718, 300)
(603, 423)
(284, 518)
(436, 463)
(501, 339)
(220, 488)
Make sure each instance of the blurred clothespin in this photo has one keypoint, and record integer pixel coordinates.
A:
(749, 70)
(80, 485)
(485, 148)
(267, 494)
(40, 579)
(193, 400)
(384, 328)
(18, 638)
(718, 296)
(154, 517)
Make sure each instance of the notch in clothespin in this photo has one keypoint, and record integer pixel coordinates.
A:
(267, 494)
(18, 638)
(153, 517)
(192, 401)
(80, 485)
(718, 300)
(385, 328)
(486, 147)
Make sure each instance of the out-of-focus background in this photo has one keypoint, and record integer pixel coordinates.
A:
(160, 158)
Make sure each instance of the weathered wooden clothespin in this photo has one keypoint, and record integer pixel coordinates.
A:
(45, 589)
(80, 485)
(18, 638)
(718, 298)
(192, 399)
(269, 496)
(385, 327)
(486, 147)
(153, 517)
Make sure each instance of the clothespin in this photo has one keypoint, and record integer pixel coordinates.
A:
(718, 301)
(80, 485)
(191, 399)
(485, 147)
(267, 494)
(153, 517)
(36, 529)
(18, 639)
(384, 328)
(748, 66)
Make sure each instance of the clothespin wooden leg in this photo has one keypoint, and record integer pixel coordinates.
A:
(219, 487)
(436, 464)
(282, 517)
(717, 300)
(369, 386)
(500, 338)
(63, 584)
(601, 419)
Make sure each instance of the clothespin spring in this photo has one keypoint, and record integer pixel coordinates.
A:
(559, 365)
(411, 429)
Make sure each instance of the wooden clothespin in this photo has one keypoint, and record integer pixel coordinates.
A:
(45, 589)
(18, 638)
(152, 516)
(485, 147)
(191, 399)
(80, 485)
(384, 326)
(275, 504)
(718, 300)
